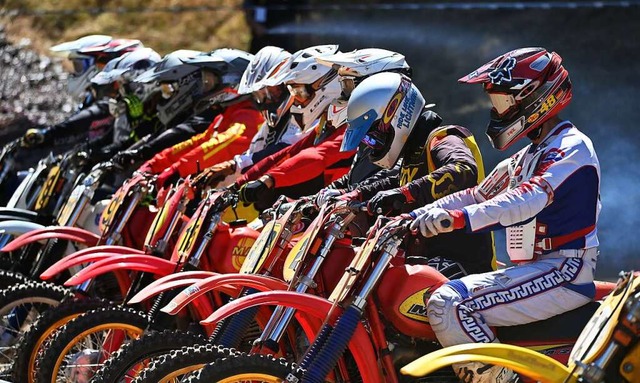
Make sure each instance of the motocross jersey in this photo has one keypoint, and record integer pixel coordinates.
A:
(439, 160)
(170, 136)
(226, 136)
(304, 168)
(92, 123)
(556, 181)
(267, 141)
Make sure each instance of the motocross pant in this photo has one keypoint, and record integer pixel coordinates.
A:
(462, 311)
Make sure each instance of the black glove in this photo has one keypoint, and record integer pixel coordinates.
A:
(126, 158)
(388, 202)
(252, 191)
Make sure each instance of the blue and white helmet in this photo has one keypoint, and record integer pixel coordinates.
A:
(381, 112)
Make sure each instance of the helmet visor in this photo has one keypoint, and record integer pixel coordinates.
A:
(357, 130)
(502, 102)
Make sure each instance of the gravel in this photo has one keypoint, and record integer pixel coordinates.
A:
(32, 89)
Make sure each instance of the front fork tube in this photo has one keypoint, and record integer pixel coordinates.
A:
(336, 343)
(281, 317)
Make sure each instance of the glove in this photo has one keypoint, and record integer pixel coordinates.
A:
(325, 195)
(437, 220)
(353, 195)
(215, 174)
(168, 177)
(387, 202)
(252, 191)
(33, 137)
(126, 158)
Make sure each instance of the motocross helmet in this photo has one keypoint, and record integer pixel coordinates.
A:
(180, 85)
(220, 71)
(355, 66)
(526, 87)
(83, 66)
(381, 113)
(311, 87)
(268, 100)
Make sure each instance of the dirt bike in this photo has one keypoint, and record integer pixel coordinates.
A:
(607, 350)
(192, 250)
(263, 257)
(17, 314)
(377, 314)
(32, 259)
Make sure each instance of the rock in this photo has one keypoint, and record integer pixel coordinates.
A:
(32, 89)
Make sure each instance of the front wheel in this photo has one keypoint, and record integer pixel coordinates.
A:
(247, 368)
(78, 349)
(177, 365)
(20, 307)
(34, 340)
(126, 364)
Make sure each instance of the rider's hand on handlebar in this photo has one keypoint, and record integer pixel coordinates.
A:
(32, 138)
(327, 194)
(437, 220)
(387, 202)
(215, 174)
(253, 191)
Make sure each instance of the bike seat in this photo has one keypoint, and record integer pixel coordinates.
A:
(564, 326)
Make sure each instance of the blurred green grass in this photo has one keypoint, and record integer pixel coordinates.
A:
(163, 31)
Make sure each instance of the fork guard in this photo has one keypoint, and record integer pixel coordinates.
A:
(74, 234)
(310, 312)
(91, 254)
(216, 282)
(529, 363)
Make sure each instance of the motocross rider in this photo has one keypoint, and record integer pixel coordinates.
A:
(94, 121)
(315, 160)
(229, 133)
(278, 131)
(386, 112)
(547, 198)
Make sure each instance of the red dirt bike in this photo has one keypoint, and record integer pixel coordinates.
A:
(192, 251)
(313, 263)
(377, 313)
(265, 258)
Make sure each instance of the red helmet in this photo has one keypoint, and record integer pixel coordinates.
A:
(527, 87)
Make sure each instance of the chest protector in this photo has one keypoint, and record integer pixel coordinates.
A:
(521, 239)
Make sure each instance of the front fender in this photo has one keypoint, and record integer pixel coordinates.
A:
(74, 234)
(360, 345)
(528, 363)
(123, 262)
(258, 282)
(91, 254)
(170, 282)
(14, 213)
(18, 228)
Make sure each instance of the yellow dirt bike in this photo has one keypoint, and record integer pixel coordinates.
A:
(606, 351)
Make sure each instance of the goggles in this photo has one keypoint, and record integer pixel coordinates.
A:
(299, 93)
(374, 138)
(80, 65)
(267, 94)
(209, 81)
(347, 85)
(168, 89)
(502, 102)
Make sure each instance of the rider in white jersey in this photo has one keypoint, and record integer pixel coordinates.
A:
(547, 198)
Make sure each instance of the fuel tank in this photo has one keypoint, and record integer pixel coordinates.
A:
(402, 292)
(228, 248)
